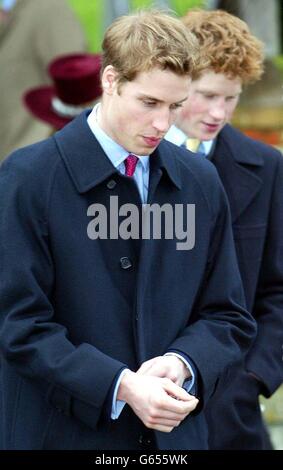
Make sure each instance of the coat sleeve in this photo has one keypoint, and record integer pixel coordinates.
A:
(75, 379)
(221, 329)
(265, 357)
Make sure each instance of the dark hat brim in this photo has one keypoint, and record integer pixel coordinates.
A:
(39, 102)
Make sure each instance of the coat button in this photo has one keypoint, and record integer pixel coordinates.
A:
(111, 184)
(125, 262)
(145, 440)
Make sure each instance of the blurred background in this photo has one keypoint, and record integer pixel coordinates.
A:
(81, 24)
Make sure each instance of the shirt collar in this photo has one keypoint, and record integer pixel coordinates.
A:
(114, 151)
(206, 146)
(178, 137)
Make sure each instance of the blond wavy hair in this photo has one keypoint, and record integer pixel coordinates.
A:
(227, 43)
(146, 39)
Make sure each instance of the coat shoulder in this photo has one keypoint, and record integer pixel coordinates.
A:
(194, 166)
(190, 161)
(33, 161)
(199, 173)
(234, 137)
(30, 172)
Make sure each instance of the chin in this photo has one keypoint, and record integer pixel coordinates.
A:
(209, 136)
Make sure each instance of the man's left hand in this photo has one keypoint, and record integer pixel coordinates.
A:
(170, 367)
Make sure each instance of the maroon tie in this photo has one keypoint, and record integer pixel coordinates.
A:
(130, 164)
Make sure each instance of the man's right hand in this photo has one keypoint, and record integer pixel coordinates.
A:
(158, 402)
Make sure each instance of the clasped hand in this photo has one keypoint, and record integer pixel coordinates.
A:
(155, 393)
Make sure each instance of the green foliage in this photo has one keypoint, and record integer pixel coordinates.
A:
(135, 4)
(182, 6)
(90, 14)
(278, 61)
(179, 6)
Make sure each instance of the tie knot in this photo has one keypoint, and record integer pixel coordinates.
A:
(130, 164)
(192, 144)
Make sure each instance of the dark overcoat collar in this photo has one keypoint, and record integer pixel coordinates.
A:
(237, 160)
(87, 163)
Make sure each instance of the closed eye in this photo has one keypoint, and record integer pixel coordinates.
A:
(149, 103)
(176, 106)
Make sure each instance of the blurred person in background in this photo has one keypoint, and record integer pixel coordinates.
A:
(32, 32)
(252, 175)
(75, 87)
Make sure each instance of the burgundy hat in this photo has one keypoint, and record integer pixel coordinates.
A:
(76, 79)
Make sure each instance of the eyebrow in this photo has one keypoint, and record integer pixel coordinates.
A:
(152, 98)
(210, 92)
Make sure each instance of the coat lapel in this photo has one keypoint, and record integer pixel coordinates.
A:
(84, 158)
(236, 160)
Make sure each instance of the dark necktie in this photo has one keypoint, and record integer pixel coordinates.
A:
(130, 164)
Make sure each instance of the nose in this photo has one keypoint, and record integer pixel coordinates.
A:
(162, 121)
(218, 111)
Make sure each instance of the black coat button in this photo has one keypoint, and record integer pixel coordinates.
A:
(111, 184)
(125, 262)
(145, 440)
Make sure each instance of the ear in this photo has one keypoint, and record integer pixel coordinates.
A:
(108, 80)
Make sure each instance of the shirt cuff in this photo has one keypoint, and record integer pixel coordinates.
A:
(117, 405)
(189, 384)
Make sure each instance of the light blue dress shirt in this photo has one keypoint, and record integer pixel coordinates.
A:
(117, 155)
